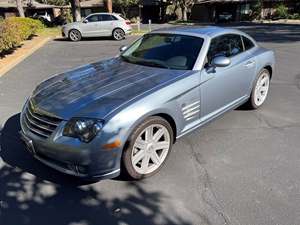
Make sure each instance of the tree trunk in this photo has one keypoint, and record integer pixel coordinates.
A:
(184, 13)
(75, 4)
(109, 6)
(20, 8)
(124, 11)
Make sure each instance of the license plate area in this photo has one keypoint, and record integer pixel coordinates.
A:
(28, 143)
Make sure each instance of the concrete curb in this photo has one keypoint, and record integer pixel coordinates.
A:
(23, 56)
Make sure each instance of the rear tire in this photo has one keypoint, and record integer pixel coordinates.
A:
(148, 148)
(260, 90)
(74, 35)
(118, 34)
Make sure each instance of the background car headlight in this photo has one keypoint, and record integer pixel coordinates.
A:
(83, 128)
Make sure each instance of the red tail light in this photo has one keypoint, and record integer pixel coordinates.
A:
(127, 22)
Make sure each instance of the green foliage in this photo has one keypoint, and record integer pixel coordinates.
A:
(295, 16)
(124, 5)
(256, 10)
(54, 2)
(281, 11)
(14, 30)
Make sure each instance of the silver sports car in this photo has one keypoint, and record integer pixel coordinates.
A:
(124, 114)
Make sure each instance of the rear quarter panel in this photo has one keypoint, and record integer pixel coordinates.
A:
(263, 58)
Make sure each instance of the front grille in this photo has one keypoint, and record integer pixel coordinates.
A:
(38, 123)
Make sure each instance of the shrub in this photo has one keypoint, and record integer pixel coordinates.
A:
(295, 16)
(281, 12)
(14, 30)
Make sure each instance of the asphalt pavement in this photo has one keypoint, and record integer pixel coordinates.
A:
(243, 168)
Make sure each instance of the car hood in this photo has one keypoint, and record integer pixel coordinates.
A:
(97, 89)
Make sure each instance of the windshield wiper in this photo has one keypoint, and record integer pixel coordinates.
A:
(126, 59)
(152, 63)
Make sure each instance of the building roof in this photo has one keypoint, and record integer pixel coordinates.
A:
(26, 4)
(91, 3)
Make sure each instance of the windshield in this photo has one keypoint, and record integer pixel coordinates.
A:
(171, 51)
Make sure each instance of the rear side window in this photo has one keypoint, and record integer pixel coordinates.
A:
(225, 45)
(106, 17)
(248, 44)
(113, 17)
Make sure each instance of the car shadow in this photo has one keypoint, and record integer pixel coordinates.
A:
(31, 193)
(85, 39)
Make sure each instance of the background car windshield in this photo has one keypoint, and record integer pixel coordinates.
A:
(165, 50)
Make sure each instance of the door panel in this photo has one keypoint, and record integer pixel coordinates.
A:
(106, 27)
(90, 29)
(224, 87)
(106, 24)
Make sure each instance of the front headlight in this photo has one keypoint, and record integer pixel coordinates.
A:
(84, 129)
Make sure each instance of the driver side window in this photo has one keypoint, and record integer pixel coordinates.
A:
(227, 45)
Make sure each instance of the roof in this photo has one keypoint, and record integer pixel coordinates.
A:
(26, 4)
(91, 3)
(210, 31)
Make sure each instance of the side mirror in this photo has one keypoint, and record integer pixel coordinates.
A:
(123, 48)
(221, 61)
(85, 21)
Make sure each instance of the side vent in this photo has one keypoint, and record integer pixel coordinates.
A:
(190, 111)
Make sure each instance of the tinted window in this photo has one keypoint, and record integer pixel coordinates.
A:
(226, 45)
(165, 50)
(247, 43)
(114, 18)
(93, 18)
(106, 17)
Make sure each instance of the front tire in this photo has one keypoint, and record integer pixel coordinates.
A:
(260, 90)
(74, 35)
(118, 34)
(148, 148)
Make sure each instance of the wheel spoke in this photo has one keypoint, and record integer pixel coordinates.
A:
(158, 134)
(264, 89)
(155, 158)
(145, 163)
(161, 145)
(138, 156)
(263, 81)
(141, 144)
(149, 133)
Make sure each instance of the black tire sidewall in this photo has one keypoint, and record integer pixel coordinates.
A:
(126, 156)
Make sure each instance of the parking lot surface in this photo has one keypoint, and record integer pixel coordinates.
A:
(243, 168)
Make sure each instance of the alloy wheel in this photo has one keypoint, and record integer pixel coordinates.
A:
(75, 35)
(261, 89)
(150, 149)
(118, 34)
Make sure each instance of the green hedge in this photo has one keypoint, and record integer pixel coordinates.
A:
(14, 30)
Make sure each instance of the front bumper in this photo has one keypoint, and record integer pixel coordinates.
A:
(67, 167)
(70, 156)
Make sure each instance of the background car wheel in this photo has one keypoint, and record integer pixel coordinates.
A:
(260, 90)
(148, 148)
(74, 35)
(118, 34)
